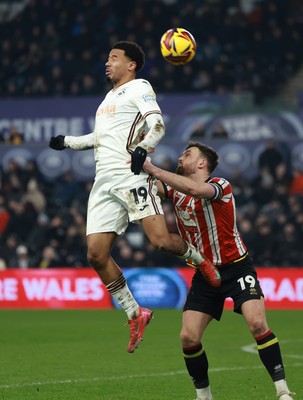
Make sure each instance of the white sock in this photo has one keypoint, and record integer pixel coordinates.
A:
(204, 394)
(193, 254)
(281, 386)
(126, 300)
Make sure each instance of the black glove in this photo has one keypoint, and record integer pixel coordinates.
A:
(57, 142)
(138, 158)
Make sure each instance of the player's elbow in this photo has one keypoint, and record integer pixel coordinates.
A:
(159, 127)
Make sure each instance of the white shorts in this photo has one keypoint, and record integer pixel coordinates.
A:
(116, 201)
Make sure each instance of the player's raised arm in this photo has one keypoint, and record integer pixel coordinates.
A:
(84, 142)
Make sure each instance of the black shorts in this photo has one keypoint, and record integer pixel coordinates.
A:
(239, 281)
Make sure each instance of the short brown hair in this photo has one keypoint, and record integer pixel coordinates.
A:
(210, 154)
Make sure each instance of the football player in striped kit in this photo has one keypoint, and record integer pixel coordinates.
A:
(206, 217)
(128, 125)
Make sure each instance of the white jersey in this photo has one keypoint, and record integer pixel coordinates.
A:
(128, 115)
(120, 124)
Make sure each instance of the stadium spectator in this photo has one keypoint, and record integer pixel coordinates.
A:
(248, 234)
(57, 231)
(270, 157)
(66, 190)
(74, 248)
(21, 217)
(219, 132)
(212, 214)
(264, 245)
(49, 258)
(263, 187)
(8, 250)
(22, 258)
(283, 178)
(290, 241)
(39, 234)
(198, 132)
(14, 136)
(4, 216)
(16, 256)
(296, 185)
(34, 196)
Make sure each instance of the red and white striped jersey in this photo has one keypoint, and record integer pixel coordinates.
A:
(210, 224)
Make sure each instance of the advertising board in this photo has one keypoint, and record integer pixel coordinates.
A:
(152, 287)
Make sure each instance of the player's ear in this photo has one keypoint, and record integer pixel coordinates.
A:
(132, 66)
(202, 163)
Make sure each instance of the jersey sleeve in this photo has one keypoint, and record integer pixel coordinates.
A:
(145, 99)
(84, 142)
(223, 189)
(169, 191)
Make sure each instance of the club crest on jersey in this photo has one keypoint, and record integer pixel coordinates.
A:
(187, 218)
(149, 97)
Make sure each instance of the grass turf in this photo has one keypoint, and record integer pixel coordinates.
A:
(81, 355)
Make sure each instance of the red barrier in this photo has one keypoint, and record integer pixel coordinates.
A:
(52, 288)
(81, 288)
(282, 287)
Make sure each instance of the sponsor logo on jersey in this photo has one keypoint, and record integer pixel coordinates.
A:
(107, 110)
(122, 92)
(150, 96)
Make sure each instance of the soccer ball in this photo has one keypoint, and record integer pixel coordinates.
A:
(178, 46)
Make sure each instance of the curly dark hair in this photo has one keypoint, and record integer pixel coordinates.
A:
(133, 51)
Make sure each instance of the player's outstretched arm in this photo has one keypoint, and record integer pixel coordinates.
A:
(61, 142)
(182, 184)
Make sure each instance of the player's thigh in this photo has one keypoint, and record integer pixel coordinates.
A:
(139, 196)
(105, 213)
(241, 283)
(155, 228)
(253, 312)
(204, 298)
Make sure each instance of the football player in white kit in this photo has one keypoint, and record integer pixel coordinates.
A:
(128, 125)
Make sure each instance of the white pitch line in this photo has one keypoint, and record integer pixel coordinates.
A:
(252, 348)
(124, 377)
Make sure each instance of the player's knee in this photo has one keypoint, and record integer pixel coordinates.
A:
(159, 242)
(188, 338)
(96, 259)
(258, 327)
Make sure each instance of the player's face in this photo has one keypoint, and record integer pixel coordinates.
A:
(118, 67)
(189, 161)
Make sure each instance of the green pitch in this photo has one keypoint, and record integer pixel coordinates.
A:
(81, 355)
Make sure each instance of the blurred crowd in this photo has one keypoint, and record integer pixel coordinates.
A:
(11, 135)
(58, 48)
(42, 222)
